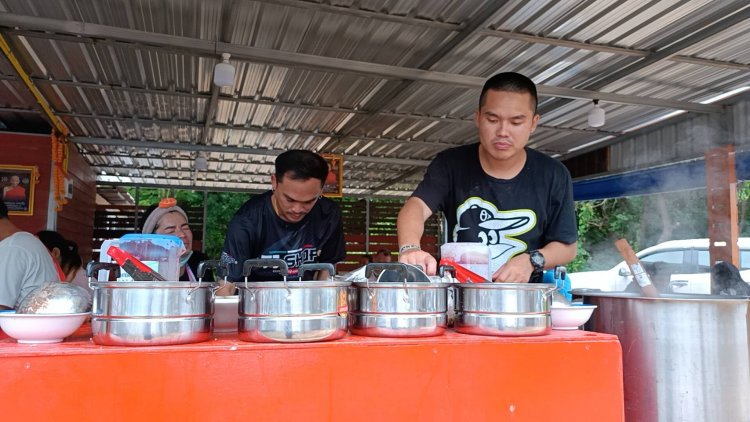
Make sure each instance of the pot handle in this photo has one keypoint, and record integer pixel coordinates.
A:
(220, 269)
(249, 264)
(93, 267)
(370, 269)
(317, 266)
(560, 273)
(448, 271)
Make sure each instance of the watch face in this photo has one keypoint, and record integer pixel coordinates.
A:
(537, 260)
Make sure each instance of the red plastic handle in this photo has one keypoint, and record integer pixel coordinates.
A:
(120, 256)
(463, 274)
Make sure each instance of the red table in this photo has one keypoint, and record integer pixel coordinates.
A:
(564, 376)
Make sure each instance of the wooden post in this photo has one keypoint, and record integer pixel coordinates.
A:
(640, 276)
(721, 197)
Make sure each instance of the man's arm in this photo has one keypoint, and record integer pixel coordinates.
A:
(410, 227)
(237, 248)
(518, 269)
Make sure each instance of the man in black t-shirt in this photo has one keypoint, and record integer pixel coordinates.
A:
(498, 192)
(292, 222)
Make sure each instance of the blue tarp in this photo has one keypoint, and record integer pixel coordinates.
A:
(668, 178)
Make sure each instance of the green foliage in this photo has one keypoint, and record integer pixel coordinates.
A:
(221, 207)
(150, 196)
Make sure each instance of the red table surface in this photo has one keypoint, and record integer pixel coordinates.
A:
(565, 376)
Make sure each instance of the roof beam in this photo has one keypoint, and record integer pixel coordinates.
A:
(148, 172)
(517, 36)
(366, 14)
(230, 150)
(720, 20)
(274, 103)
(290, 132)
(187, 185)
(287, 58)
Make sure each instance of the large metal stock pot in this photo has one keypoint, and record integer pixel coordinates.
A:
(149, 313)
(291, 312)
(504, 309)
(398, 308)
(685, 357)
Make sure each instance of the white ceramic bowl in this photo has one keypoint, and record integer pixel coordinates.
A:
(226, 313)
(40, 328)
(571, 317)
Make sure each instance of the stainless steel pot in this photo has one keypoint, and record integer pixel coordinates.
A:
(685, 357)
(398, 309)
(504, 309)
(149, 313)
(292, 312)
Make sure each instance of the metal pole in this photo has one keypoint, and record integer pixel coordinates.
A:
(367, 226)
(137, 200)
(205, 214)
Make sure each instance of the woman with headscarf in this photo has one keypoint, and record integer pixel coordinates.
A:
(168, 218)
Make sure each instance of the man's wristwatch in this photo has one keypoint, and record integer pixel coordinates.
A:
(537, 261)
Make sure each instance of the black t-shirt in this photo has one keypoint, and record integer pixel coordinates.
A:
(257, 232)
(511, 216)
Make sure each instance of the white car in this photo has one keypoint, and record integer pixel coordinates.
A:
(691, 256)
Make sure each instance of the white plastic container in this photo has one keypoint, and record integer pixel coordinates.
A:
(160, 252)
(472, 256)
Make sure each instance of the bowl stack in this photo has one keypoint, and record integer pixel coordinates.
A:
(48, 314)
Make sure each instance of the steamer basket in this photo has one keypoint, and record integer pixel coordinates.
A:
(292, 312)
(504, 309)
(151, 313)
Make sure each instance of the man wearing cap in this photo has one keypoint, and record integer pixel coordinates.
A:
(292, 222)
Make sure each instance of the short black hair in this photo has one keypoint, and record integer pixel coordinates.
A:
(301, 164)
(510, 82)
(3, 210)
(69, 257)
(52, 239)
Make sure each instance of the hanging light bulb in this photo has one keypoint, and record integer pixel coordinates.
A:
(201, 163)
(596, 116)
(224, 72)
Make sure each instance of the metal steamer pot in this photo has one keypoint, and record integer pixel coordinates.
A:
(398, 308)
(291, 312)
(504, 309)
(149, 313)
(685, 357)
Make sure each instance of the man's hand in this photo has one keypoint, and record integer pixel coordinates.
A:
(226, 288)
(517, 270)
(421, 258)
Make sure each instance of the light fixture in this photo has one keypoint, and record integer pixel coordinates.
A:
(201, 164)
(596, 116)
(224, 72)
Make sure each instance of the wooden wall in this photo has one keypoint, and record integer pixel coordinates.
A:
(365, 236)
(76, 220)
(30, 150)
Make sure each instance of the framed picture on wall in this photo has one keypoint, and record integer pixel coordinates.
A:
(17, 185)
(334, 186)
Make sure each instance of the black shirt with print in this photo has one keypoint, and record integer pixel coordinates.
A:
(257, 232)
(511, 216)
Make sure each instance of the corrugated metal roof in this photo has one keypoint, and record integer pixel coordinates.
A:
(388, 84)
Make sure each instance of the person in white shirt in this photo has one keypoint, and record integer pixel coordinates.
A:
(25, 263)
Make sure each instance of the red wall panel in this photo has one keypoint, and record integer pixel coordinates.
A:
(30, 150)
(76, 220)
